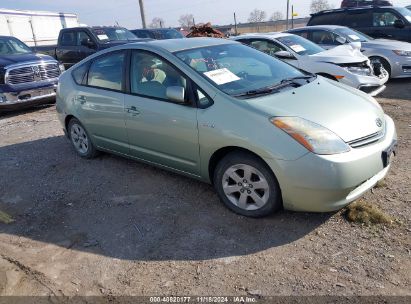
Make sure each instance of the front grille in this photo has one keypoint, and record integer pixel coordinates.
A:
(32, 73)
(366, 140)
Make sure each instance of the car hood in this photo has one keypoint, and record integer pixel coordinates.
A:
(339, 54)
(388, 44)
(347, 112)
(6, 60)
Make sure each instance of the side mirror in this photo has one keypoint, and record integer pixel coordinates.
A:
(175, 93)
(284, 55)
(399, 23)
(87, 43)
(341, 40)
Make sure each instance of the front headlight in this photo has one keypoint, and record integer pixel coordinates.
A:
(402, 53)
(359, 70)
(61, 67)
(312, 136)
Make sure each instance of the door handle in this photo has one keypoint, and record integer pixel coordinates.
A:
(81, 98)
(133, 110)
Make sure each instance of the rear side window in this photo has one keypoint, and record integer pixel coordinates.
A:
(358, 19)
(106, 72)
(303, 34)
(329, 18)
(68, 39)
(79, 73)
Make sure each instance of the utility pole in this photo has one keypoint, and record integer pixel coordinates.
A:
(143, 15)
(288, 9)
(194, 22)
(235, 25)
(292, 16)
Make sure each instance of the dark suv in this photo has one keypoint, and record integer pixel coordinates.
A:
(379, 22)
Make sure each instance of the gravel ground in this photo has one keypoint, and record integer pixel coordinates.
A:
(111, 226)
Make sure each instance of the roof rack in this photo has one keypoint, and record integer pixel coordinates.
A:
(344, 9)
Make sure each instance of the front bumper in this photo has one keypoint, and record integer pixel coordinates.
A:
(371, 85)
(322, 183)
(13, 100)
(401, 67)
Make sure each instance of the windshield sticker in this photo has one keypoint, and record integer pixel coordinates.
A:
(102, 37)
(120, 31)
(297, 48)
(354, 37)
(221, 76)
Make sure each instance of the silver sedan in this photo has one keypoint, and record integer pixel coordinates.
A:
(394, 55)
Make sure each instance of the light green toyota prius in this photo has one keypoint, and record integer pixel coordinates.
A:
(265, 134)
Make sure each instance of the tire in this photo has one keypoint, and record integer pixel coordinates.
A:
(246, 185)
(384, 63)
(80, 139)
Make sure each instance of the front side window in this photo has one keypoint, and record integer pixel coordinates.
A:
(300, 45)
(266, 46)
(106, 72)
(353, 35)
(83, 38)
(324, 37)
(152, 76)
(383, 19)
(236, 68)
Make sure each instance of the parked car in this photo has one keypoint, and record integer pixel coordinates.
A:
(395, 56)
(377, 22)
(265, 134)
(341, 64)
(360, 3)
(75, 44)
(161, 33)
(26, 78)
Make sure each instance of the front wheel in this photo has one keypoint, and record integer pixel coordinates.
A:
(246, 185)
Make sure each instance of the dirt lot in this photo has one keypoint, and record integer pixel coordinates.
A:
(111, 226)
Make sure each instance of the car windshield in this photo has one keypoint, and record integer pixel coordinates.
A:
(12, 46)
(300, 45)
(169, 34)
(353, 35)
(237, 69)
(107, 34)
(405, 12)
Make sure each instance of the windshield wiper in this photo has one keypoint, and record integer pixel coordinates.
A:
(292, 79)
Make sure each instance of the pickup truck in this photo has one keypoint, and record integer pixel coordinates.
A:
(75, 44)
(26, 78)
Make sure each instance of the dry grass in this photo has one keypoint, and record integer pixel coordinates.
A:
(5, 218)
(381, 184)
(363, 212)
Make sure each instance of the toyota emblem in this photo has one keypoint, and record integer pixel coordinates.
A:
(378, 122)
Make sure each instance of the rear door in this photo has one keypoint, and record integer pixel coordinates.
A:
(360, 20)
(67, 50)
(100, 101)
(161, 130)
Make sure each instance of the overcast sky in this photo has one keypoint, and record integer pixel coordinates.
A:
(126, 12)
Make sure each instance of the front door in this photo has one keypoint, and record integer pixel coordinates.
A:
(161, 127)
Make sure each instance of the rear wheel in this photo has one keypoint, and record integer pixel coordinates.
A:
(246, 185)
(80, 139)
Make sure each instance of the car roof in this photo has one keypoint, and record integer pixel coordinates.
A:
(175, 45)
(272, 35)
(331, 27)
(350, 9)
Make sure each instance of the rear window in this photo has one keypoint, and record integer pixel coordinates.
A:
(328, 18)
